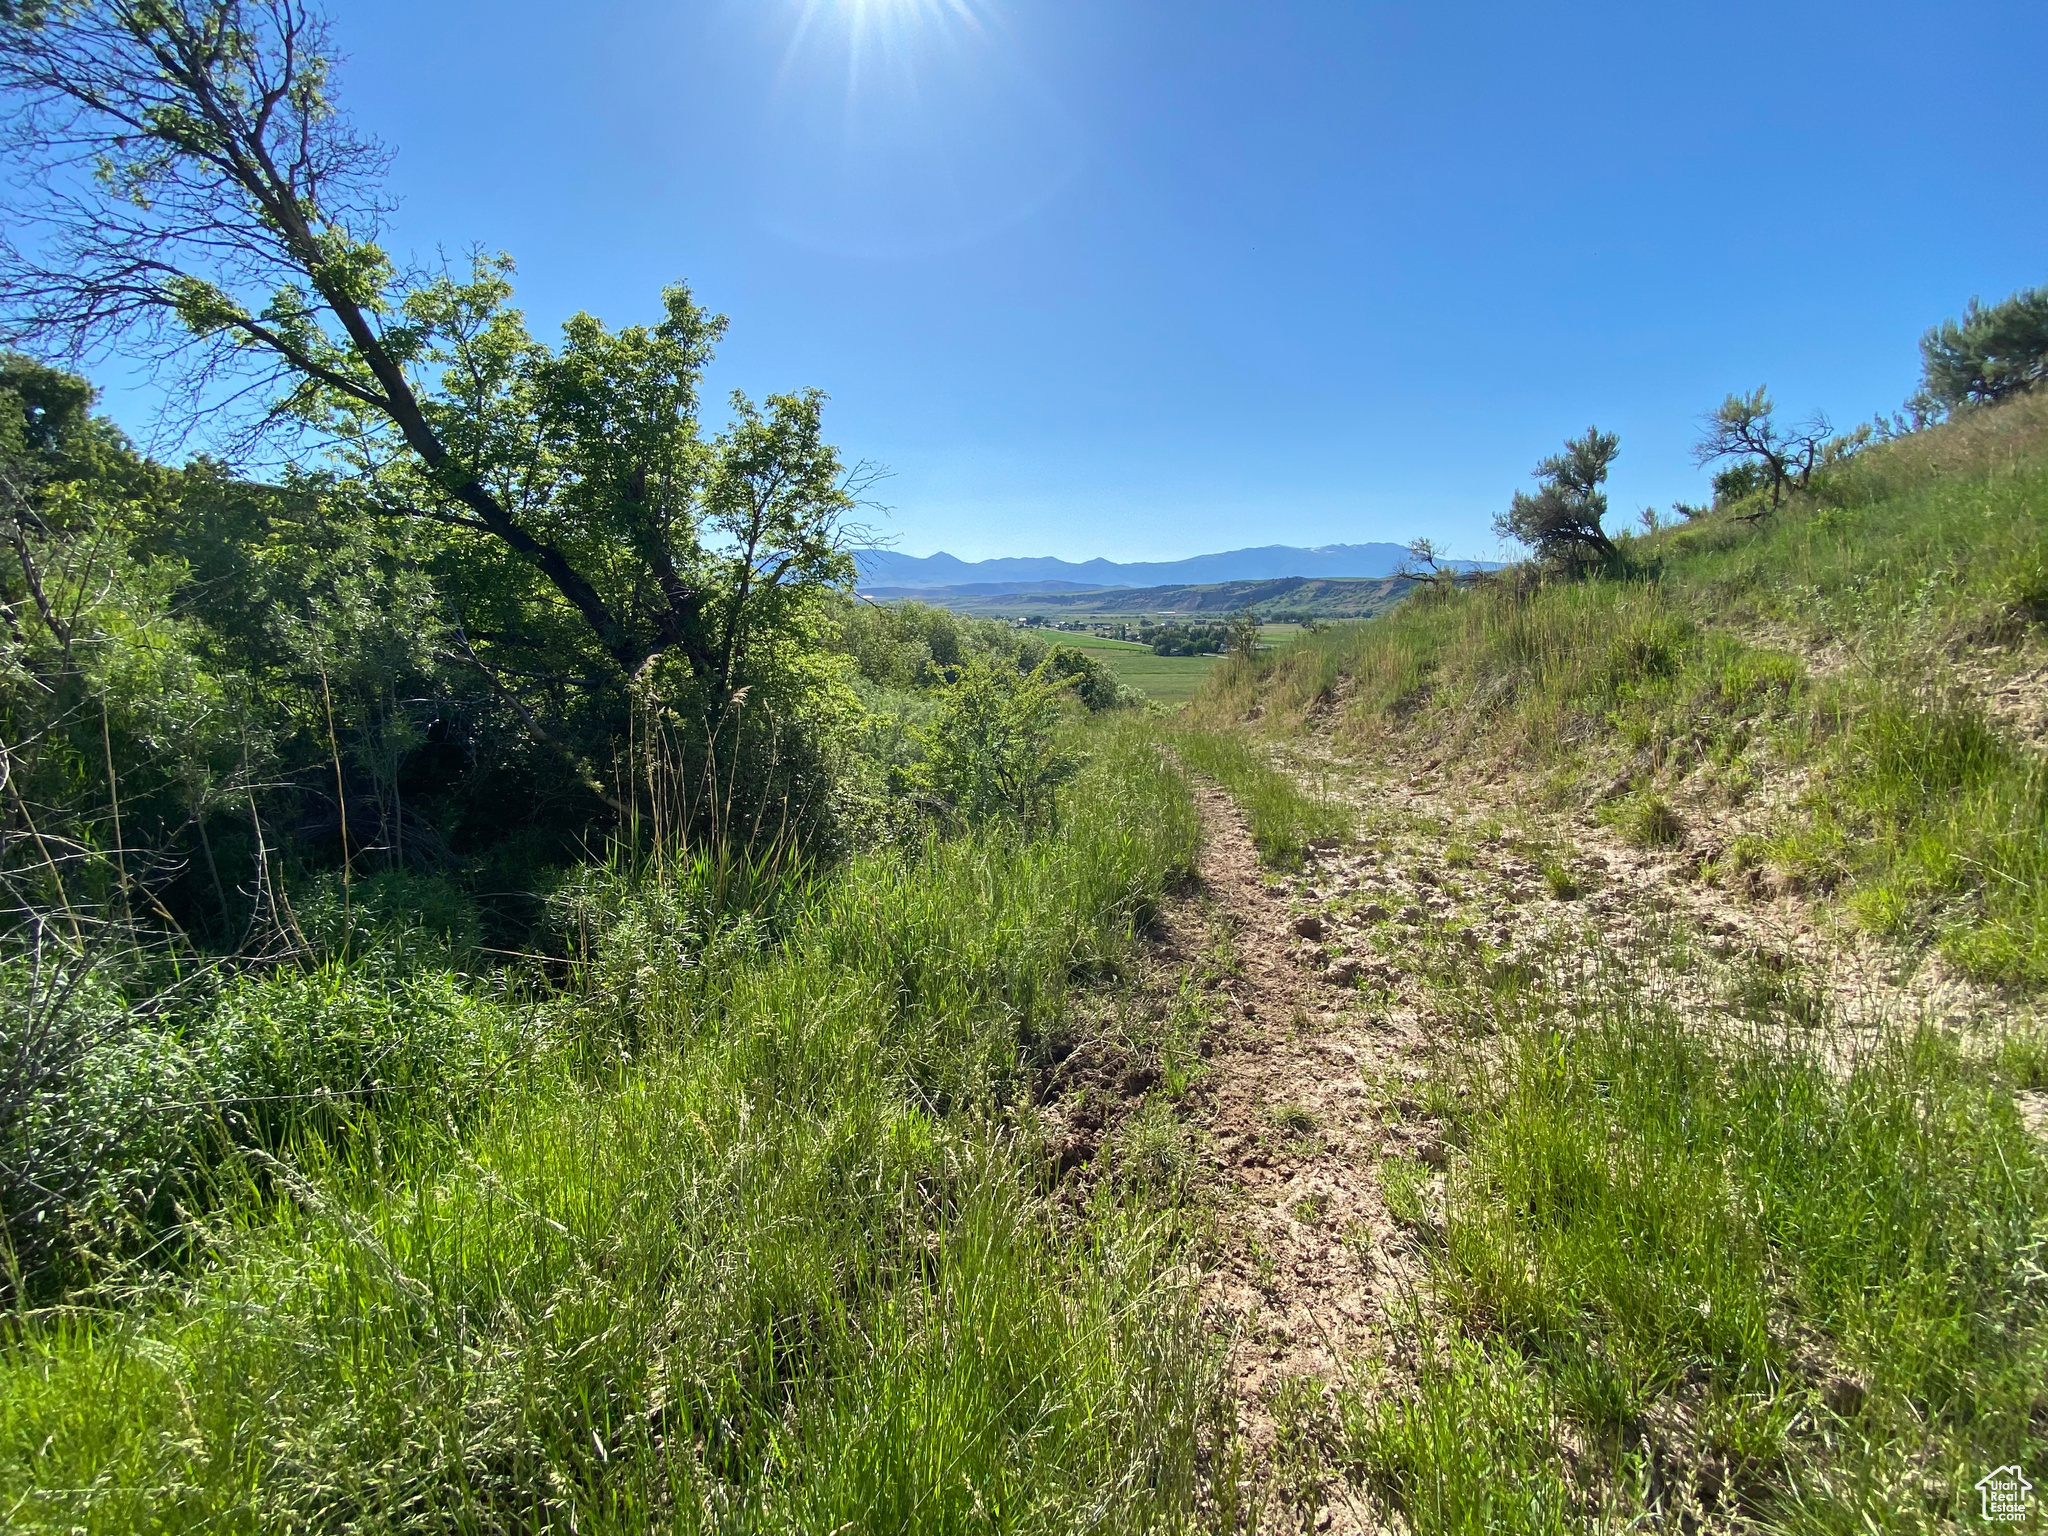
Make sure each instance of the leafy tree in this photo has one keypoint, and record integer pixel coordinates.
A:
(89, 650)
(912, 646)
(1767, 456)
(1090, 681)
(1186, 639)
(202, 678)
(1560, 520)
(192, 189)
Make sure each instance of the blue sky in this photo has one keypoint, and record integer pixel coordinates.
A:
(1142, 280)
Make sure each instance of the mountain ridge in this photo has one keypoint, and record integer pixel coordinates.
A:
(1326, 597)
(1268, 562)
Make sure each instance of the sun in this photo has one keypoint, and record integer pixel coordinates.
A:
(870, 20)
(884, 42)
(902, 128)
(882, 13)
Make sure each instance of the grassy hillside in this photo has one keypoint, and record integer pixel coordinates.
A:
(1694, 1222)
(1844, 697)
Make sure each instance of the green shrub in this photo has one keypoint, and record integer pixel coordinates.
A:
(123, 1121)
(992, 749)
(314, 1051)
(100, 1110)
(1094, 684)
(403, 917)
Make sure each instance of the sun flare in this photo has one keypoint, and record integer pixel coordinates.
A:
(868, 19)
(897, 12)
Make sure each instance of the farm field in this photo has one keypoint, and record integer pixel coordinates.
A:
(1168, 679)
(1293, 597)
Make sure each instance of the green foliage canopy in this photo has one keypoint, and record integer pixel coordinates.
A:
(1993, 352)
(227, 222)
(1560, 520)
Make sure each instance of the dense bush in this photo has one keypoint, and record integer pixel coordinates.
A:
(992, 749)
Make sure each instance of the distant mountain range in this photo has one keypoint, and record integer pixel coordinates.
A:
(980, 589)
(1286, 597)
(884, 570)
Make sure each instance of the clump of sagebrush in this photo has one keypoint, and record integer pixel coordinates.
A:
(1654, 1285)
(1994, 352)
(782, 1267)
(1561, 519)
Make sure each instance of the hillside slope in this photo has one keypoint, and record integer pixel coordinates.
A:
(1848, 698)
(1631, 1113)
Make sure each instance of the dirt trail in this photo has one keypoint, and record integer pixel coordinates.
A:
(1313, 1081)
(1311, 1260)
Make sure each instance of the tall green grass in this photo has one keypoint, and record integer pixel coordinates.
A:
(1284, 818)
(1939, 820)
(1773, 1271)
(779, 1262)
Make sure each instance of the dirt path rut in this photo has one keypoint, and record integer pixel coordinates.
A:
(1310, 1262)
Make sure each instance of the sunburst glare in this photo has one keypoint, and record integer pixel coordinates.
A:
(905, 126)
(868, 25)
